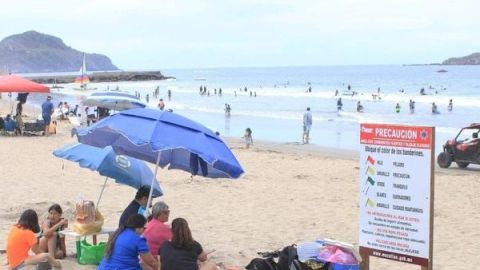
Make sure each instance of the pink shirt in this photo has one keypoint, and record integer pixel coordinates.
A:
(156, 233)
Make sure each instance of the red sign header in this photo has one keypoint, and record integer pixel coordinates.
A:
(396, 135)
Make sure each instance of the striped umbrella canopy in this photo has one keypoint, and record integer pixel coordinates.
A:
(117, 101)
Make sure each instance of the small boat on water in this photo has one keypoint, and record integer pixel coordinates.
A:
(349, 93)
(442, 70)
(83, 79)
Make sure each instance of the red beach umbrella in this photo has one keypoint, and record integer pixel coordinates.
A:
(12, 83)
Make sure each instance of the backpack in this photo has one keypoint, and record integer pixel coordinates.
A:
(288, 260)
(261, 264)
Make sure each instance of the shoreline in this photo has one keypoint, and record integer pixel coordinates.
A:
(294, 147)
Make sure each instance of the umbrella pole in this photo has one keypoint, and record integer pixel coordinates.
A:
(151, 186)
(101, 193)
(11, 103)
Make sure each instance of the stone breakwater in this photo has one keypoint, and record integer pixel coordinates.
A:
(111, 76)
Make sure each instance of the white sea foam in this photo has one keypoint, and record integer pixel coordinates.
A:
(276, 112)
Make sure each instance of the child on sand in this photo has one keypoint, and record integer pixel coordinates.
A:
(248, 138)
(51, 241)
(22, 239)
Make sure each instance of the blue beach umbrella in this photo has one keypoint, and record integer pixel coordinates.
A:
(164, 138)
(125, 170)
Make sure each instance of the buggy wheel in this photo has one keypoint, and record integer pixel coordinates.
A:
(462, 164)
(444, 160)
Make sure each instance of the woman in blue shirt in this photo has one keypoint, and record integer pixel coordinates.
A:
(126, 245)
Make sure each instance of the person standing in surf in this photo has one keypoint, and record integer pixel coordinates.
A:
(307, 125)
(339, 104)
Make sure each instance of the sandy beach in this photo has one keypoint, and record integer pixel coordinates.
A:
(289, 194)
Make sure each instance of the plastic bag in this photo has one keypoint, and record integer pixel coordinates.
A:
(336, 254)
(84, 211)
(89, 228)
(91, 254)
(342, 257)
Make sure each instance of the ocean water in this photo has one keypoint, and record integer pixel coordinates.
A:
(275, 114)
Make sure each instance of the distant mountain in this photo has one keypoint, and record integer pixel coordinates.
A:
(36, 52)
(472, 59)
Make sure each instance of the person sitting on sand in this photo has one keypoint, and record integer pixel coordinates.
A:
(137, 206)
(22, 239)
(156, 231)
(51, 241)
(9, 125)
(183, 252)
(126, 245)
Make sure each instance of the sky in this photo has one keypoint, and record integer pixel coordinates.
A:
(155, 34)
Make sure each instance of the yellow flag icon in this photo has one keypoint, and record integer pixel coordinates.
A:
(370, 203)
(370, 171)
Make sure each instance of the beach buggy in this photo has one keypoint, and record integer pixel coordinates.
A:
(464, 149)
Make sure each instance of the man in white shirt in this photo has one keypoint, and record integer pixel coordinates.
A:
(307, 124)
(91, 114)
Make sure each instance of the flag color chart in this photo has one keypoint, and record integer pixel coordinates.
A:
(396, 193)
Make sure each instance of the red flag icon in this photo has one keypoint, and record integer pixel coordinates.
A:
(371, 160)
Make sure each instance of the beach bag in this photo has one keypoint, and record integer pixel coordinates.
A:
(91, 254)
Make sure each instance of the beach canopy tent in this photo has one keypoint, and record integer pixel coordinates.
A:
(125, 170)
(13, 83)
(117, 101)
(165, 139)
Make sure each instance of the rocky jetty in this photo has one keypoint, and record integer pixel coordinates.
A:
(114, 76)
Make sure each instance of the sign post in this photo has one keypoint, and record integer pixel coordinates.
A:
(396, 193)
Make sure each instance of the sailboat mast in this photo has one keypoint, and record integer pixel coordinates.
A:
(83, 84)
